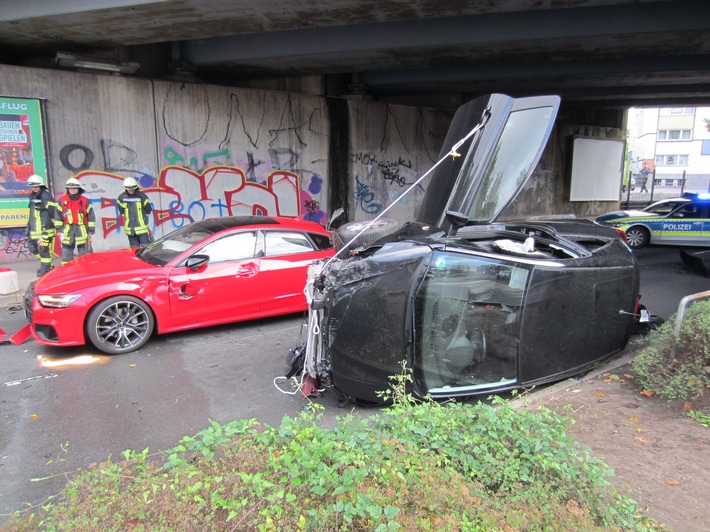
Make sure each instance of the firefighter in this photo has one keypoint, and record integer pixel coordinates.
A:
(135, 207)
(79, 221)
(43, 222)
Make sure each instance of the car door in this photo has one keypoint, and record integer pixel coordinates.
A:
(684, 226)
(284, 265)
(223, 290)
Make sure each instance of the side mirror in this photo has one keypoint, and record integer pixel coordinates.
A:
(195, 262)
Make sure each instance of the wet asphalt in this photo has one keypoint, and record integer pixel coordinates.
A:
(64, 409)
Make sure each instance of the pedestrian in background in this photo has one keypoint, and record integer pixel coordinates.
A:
(79, 220)
(135, 207)
(44, 220)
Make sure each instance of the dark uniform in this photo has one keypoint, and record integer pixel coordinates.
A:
(135, 208)
(44, 220)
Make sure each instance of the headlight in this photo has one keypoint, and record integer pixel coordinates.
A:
(58, 301)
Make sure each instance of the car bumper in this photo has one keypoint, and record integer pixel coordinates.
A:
(55, 326)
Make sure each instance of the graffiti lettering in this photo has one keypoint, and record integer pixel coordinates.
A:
(283, 158)
(124, 160)
(365, 198)
(181, 195)
(207, 159)
(389, 170)
(67, 154)
(15, 242)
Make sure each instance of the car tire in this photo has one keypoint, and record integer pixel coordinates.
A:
(637, 237)
(378, 229)
(120, 325)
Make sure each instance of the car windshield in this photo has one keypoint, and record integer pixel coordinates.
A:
(665, 206)
(468, 311)
(171, 245)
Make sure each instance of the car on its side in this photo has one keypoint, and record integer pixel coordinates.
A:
(675, 222)
(211, 272)
(471, 305)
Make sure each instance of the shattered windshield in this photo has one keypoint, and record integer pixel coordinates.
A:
(509, 166)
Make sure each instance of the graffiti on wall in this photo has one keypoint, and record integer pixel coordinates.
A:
(180, 195)
(399, 148)
(14, 243)
(393, 176)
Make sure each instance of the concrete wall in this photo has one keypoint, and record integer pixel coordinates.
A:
(548, 190)
(391, 147)
(200, 151)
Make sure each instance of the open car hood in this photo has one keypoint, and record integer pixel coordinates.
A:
(488, 169)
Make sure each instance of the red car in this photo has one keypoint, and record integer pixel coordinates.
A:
(211, 272)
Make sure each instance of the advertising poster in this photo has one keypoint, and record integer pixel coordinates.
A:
(21, 155)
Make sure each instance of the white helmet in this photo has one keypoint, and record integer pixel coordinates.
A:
(73, 182)
(35, 181)
(130, 184)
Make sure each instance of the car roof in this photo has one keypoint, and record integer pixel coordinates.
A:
(221, 223)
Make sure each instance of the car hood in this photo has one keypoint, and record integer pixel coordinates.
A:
(103, 267)
(491, 149)
(620, 215)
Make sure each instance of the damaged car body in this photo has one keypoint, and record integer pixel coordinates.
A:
(472, 305)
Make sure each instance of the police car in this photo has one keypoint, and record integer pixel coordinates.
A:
(674, 222)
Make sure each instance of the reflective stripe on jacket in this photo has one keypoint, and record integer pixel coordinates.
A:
(44, 215)
(77, 211)
(135, 209)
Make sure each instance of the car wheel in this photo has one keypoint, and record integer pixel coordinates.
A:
(637, 237)
(120, 324)
(375, 231)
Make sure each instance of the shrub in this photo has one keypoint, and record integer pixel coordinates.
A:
(415, 466)
(678, 368)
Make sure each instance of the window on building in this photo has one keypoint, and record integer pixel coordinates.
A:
(672, 160)
(705, 148)
(669, 182)
(674, 134)
(681, 110)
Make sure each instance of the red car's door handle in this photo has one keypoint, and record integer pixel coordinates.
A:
(247, 270)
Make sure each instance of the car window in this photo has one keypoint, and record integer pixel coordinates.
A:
(171, 245)
(467, 313)
(286, 243)
(690, 210)
(231, 247)
(321, 241)
(664, 207)
(508, 168)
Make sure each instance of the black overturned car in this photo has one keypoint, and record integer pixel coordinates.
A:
(471, 305)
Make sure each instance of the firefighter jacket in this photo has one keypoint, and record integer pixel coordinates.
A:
(135, 209)
(76, 209)
(44, 219)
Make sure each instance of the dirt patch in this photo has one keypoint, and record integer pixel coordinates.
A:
(660, 456)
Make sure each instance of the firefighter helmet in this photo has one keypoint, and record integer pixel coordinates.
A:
(72, 182)
(35, 181)
(130, 184)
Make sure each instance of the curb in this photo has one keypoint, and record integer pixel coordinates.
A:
(537, 396)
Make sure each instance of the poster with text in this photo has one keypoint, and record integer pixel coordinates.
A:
(21, 155)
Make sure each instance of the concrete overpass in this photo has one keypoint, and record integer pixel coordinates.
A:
(422, 52)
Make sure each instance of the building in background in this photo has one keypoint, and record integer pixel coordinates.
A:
(669, 149)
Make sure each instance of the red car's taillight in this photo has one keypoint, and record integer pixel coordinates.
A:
(622, 234)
